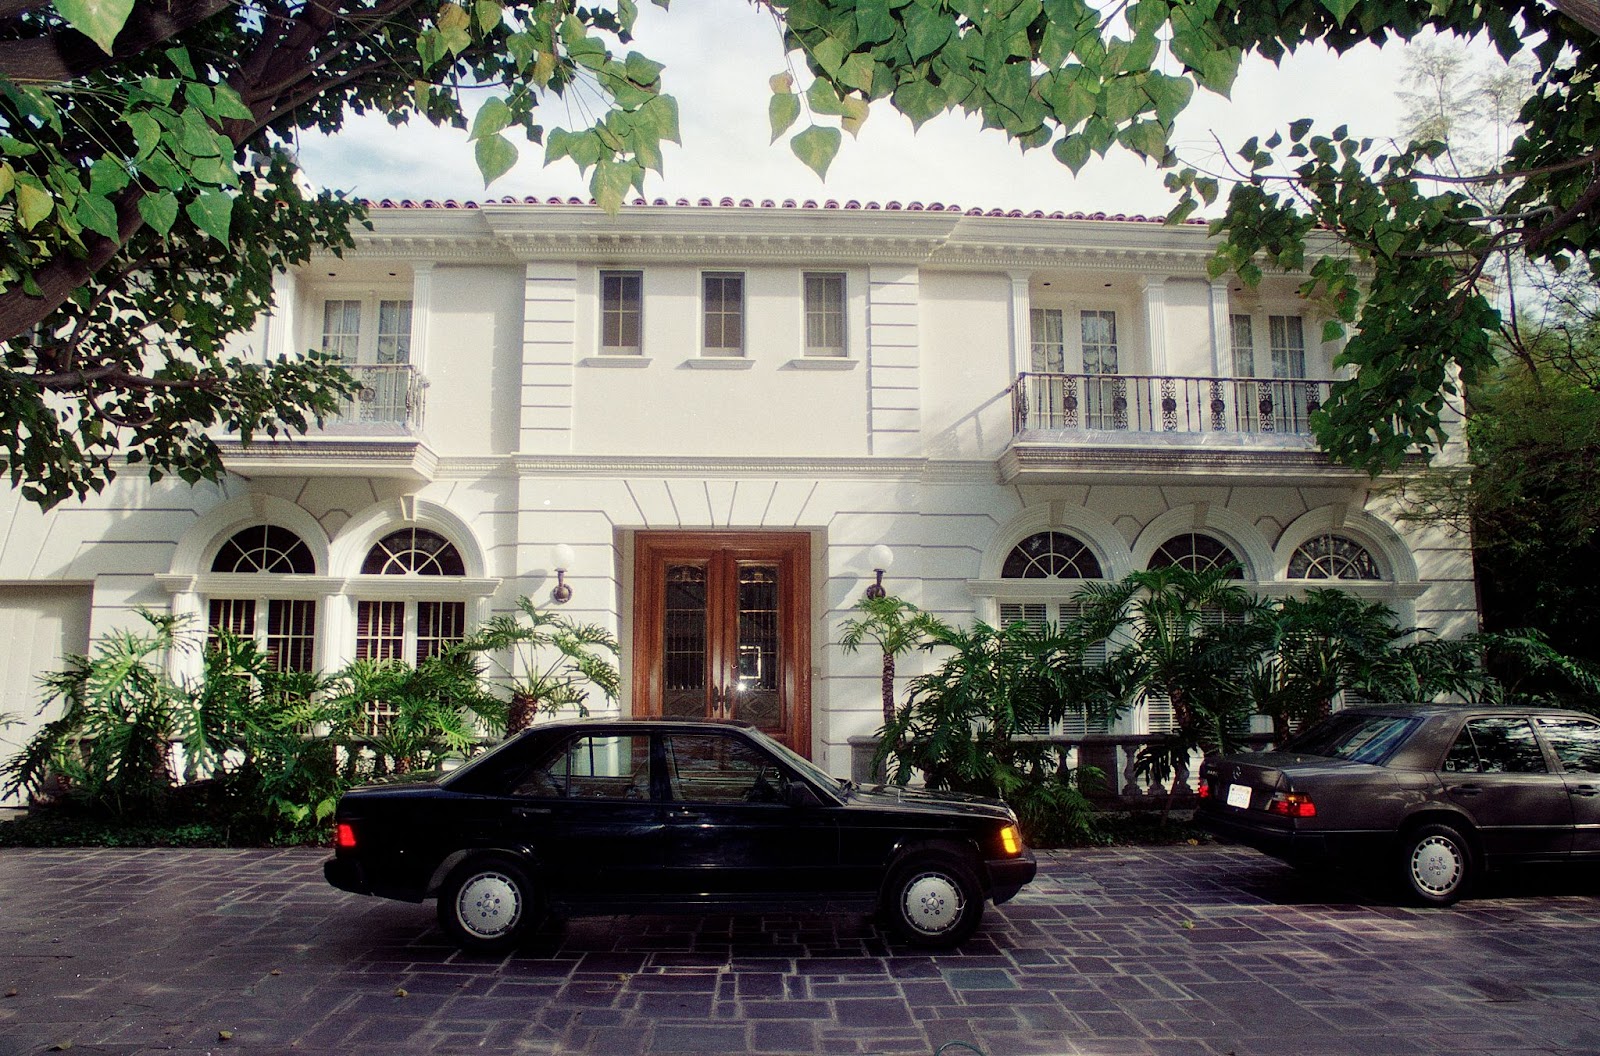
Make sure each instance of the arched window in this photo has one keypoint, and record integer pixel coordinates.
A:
(1053, 556)
(411, 631)
(1197, 553)
(288, 633)
(1330, 556)
(1050, 555)
(413, 551)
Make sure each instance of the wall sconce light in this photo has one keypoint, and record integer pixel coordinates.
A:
(561, 557)
(882, 559)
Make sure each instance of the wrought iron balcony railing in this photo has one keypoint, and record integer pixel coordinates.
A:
(391, 394)
(1139, 403)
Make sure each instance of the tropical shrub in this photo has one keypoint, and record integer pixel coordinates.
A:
(548, 662)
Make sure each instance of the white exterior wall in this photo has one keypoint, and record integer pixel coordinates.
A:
(532, 438)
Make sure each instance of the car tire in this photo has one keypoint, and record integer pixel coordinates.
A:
(933, 901)
(487, 904)
(1436, 864)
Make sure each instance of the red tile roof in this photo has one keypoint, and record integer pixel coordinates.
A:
(787, 203)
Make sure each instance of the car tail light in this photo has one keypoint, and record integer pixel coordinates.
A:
(1011, 840)
(1203, 790)
(1292, 805)
(344, 836)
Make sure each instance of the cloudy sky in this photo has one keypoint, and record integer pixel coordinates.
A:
(719, 56)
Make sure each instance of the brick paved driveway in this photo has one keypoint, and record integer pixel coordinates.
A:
(1189, 950)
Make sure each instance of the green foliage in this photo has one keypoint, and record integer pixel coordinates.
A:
(549, 662)
(432, 711)
(896, 627)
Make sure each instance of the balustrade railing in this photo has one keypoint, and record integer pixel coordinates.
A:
(1148, 403)
(389, 394)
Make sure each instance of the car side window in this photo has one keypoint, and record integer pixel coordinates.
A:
(1496, 746)
(592, 767)
(1576, 743)
(720, 768)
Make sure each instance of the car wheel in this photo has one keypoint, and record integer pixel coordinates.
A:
(487, 904)
(1436, 864)
(934, 901)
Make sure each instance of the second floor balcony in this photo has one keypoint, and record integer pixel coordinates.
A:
(390, 399)
(1113, 427)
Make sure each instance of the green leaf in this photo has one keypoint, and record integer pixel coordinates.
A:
(1073, 152)
(816, 146)
(228, 105)
(823, 99)
(179, 57)
(160, 210)
(99, 20)
(8, 178)
(212, 212)
(854, 116)
(34, 203)
(919, 101)
(496, 155)
(1332, 331)
(643, 71)
(96, 213)
(927, 30)
(1340, 8)
(492, 117)
(455, 28)
(782, 111)
(107, 176)
(610, 183)
(874, 23)
(489, 14)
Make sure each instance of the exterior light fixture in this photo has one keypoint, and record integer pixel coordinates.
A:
(561, 557)
(882, 559)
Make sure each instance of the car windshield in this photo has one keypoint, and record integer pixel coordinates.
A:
(1359, 737)
(812, 771)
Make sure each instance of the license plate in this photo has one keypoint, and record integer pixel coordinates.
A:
(1239, 796)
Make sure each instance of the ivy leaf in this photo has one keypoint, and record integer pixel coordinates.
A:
(823, 99)
(927, 31)
(496, 155)
(160, 210)
(99, 20)
(782, 111)
(212, 212)
(816, 146)
(874, 23)
(919, 101)
(854, 116)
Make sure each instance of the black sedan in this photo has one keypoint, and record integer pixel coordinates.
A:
(1436, 793)
(601, 817)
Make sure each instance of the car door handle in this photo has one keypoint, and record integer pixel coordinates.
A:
(1586, 790)
(1466, 790)
(528, 812)
(684, 815)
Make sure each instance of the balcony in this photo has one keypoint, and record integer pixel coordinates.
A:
(375, 433)
(1115, 427)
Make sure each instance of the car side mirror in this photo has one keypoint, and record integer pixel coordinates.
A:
(800, 794)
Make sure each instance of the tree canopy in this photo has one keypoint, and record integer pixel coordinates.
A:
(145, 197)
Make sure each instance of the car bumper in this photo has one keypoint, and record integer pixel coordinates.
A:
(1007, 876)
(1298, 847)
(347, 875)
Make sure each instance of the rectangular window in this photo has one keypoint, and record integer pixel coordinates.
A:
(1244, 346)
(380, 630)
(1049, 335)
(394, 332)
(439, 623)
(824, 293)
(724, 313)
(1287, 333)
(621, 312)
(1099, 330)
(289, 637)
(341, 330)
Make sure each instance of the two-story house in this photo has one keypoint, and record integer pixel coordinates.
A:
(709, 420)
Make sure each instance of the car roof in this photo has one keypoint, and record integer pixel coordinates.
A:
(687, 722)
(1431, 709)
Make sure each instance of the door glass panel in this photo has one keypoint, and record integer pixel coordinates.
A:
(715, 768)
(593, 768)
(1577, 743)
(684, 646)
(756, 698)
(1503, 746)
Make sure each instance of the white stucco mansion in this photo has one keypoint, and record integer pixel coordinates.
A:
(712, 414)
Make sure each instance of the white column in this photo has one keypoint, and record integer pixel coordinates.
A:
(1221, 331)
(280, 339)
(1021, 323)
(1155, 320)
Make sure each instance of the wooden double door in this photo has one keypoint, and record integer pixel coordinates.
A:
(722, 629)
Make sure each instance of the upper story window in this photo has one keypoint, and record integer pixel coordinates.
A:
(621, 313)
(824, 295)
(724, 312)
(371, 331)
(1197, 553)
(1049, 339)
(1099, 335)
(1332, 556)
(1284, 355)
(411, 631)
(287, 634)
